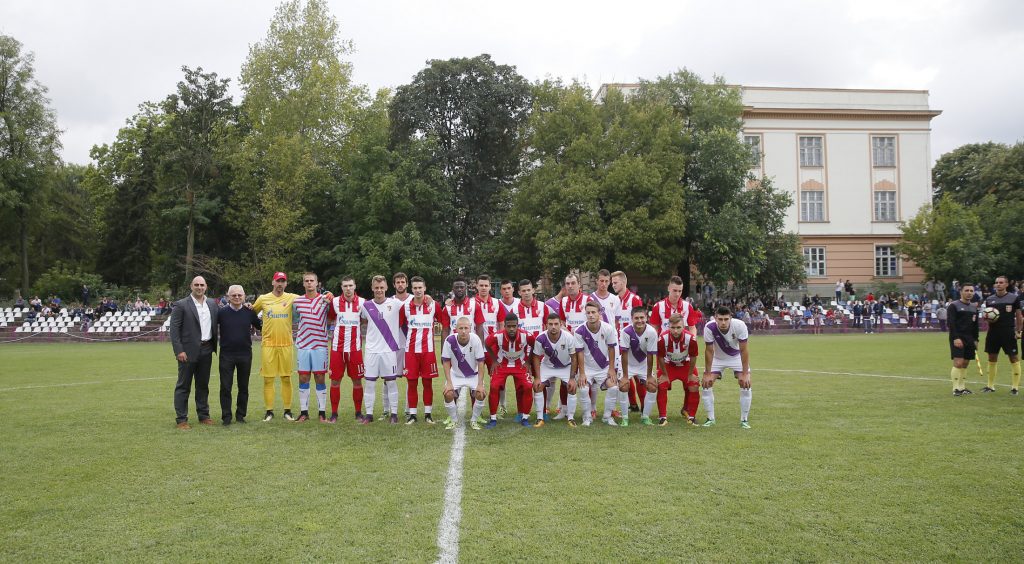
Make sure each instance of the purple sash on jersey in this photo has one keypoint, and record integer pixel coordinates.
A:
(554, 305)
(595, 349)
(378, 319)
(634, 345)
(721, 342)
(460, 357)
(604, 316)
(549, 351)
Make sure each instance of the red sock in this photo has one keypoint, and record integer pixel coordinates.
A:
(524, 399)
(412, 395)
(632, 393)
(641, 392)
(691, 401)
(357, 398)
(492, 400)
(428, 391)
(335, 399)
(663, 400)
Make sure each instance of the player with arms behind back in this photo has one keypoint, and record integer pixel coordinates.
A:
(677, 354)
(962, 316)
(726, 340)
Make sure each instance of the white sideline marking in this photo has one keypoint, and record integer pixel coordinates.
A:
(448, 528)
(70, 384)
(889, 376)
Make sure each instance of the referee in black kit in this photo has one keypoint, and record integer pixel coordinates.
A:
(963, 337)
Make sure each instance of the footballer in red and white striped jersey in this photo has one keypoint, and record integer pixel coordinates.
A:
(418, 316)
(509, 353)
(508, 299)
(674, 304)
(677, 356)
(461, 305)
(627, 300)
(573, 304)
(344, 311)
(531, 313)
(488, 307)
(418, 319)
(346, 356)
(311, 341)
(311, 312)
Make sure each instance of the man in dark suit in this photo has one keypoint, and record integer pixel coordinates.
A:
(235, 323)
(194, 339)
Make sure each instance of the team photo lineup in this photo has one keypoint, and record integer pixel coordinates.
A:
(561, 352)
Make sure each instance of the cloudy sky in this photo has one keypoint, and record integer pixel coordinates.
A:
(102, 58)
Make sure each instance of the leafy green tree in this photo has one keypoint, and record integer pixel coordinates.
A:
(1001, 220)
(947, 241)
(298, 105)
(472, 111)
(971, 172)
(199, 116)
(29, 142)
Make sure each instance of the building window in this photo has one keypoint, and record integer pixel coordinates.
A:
(885, 205)
(883, 151)
(814, 261)
(886, 261)
(753, 143)
(811, 152)
(812, 205)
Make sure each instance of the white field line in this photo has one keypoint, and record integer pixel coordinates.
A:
(448, 528)
(864, 374)
(71, 384)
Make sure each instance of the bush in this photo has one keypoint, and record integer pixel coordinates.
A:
(66, 283)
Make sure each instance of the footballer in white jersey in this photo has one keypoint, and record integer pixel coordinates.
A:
(726, 340)
(380, 351)
(554, 357)
(610, 303)
(463, 358)
(595, 345)
(401, 282)
(508, 299)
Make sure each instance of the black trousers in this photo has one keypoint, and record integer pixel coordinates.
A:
(197, 370)
(230, 364)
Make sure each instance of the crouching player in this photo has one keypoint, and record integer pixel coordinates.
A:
(465, 348)
(677, 354)
(638, 344)
(726, 340)
(595, 345)
(554, 357)
(509, 351)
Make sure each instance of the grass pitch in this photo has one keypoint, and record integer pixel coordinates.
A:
(843, 463)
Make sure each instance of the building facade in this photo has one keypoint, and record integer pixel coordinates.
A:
(856, 162)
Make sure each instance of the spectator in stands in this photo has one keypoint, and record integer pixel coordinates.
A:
(858, 313)
(850, 294)
(940, 289)
(795, 316)
(929, 289)
(146, 307)
(138, 303)
(830, 318)
(85, 295)
(20, 302)
(161, 306)
(940, 314)
(816, 318)
(36, 304)
(839, 290)
(878, 309)
(911, 306)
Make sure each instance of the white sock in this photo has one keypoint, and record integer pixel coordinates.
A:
(392, 388)
(412, 411)
(453, 412)
(610, 397)
(649, 401)
(571, 407)
(538, 404)
(708, 396)
(584, 398)
(369, 396)
(304, 397)
(745, 397)
(321, 398)
(477, 408)
(624, 403)
(427, 409)
(385, 400)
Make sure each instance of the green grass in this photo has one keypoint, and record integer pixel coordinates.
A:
(837, 467)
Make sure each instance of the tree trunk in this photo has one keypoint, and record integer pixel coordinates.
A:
(23, 220)
(190, 238)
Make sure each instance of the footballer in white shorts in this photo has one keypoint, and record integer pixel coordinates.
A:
(380, 364)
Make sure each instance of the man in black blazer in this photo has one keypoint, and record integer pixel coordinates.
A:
(194, 340)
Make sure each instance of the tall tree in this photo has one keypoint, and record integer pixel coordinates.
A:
(199, 116)
(966, 173)
(29, 142)
(472, 110)
(947, 241)
(299, 100)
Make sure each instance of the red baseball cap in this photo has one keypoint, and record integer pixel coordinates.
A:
(280, 276)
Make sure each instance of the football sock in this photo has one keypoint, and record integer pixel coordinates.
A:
(492, 401)
(538, 402)
(357, 398)
(321, 396)
(584, 398)
(649, 400)
(641, 392)
(963, 377)
(268, 392)
(286, 391)
(592, 390)
(335, 398)
(571, 405)
(745, 396)
(624, 400)
(993, 370)
(412, 411)
(477, 408)
(501, 398)
(370, 395)
(412, 395)
(662, 401)
(385, 400)
(610, 397)
(428, 394)
(1016, 374)
(563, 394)
(708, 395)
(392, 388)
(304, 396)
(453, 413)
(954, 375)
(690, 402)
(632, 394)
